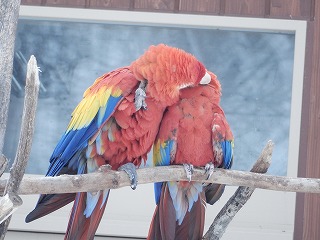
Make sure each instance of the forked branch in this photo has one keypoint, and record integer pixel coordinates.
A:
(239, 198)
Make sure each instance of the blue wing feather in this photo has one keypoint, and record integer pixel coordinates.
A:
(74, 141)
(227, 149)
(165, 152)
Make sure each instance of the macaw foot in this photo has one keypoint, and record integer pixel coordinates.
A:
(140, 96)
(130, 169)
(189, 170)
(104, 168)
(209, 168)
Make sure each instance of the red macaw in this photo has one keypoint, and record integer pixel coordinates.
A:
(116, 123)
(193, 132)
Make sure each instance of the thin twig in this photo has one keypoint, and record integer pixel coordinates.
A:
(24, 145)
(239, 198)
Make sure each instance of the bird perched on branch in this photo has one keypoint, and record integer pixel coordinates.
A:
(193, 132)
(116, 124)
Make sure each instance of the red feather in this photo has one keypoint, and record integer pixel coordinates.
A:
(80, 227)
(196, 126)
(106, 127)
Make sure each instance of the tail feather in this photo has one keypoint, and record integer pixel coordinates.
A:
(165, 226)
(80, 226)
(193, 224)
(213, 192)
(154, 230)
(49, 203)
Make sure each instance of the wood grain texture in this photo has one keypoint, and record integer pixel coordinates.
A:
(109, 179)
(246, 8)
(24, 146)
(155, 5)
(9, 13)
(287, 9)
(31, 2)
(292, 9)
(66, 3)
(110, 4)
(311, 214)
(304, 130)
(201, 6)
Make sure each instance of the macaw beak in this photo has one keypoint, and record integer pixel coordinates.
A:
(206, 79)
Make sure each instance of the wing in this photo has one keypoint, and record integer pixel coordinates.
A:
(222, 142)
(163, 152)
(98, 104)
(69, 157)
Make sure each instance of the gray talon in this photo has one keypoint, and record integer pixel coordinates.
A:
(209, 168)
(140, 96)
(104, 168)
(130, 169)
(189, 170)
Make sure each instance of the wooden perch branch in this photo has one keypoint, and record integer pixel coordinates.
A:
(239, 198)
(10, 201)
(108, 179)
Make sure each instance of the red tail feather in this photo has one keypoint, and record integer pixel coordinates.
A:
(165, 226)
(80, 227)
(48, 204)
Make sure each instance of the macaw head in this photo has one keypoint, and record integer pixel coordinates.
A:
(210, 91)
(167, 70)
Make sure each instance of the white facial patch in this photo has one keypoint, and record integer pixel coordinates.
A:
(206, 79)
(185, 85)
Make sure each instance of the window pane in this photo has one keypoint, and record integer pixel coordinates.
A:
(255, 70)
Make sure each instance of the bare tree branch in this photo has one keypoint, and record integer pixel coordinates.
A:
(239, 198)
(27, 127)
(10, 201)
(109, 179)
(9, 12)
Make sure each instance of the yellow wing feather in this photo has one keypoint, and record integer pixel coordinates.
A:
(89, 106)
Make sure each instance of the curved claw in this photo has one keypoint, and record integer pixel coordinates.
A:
(140, 96)
(104, 168)
(130, 169)
(189, 170)
(209, 168)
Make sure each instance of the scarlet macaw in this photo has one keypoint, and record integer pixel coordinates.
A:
(116, 123)
(193, 132)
